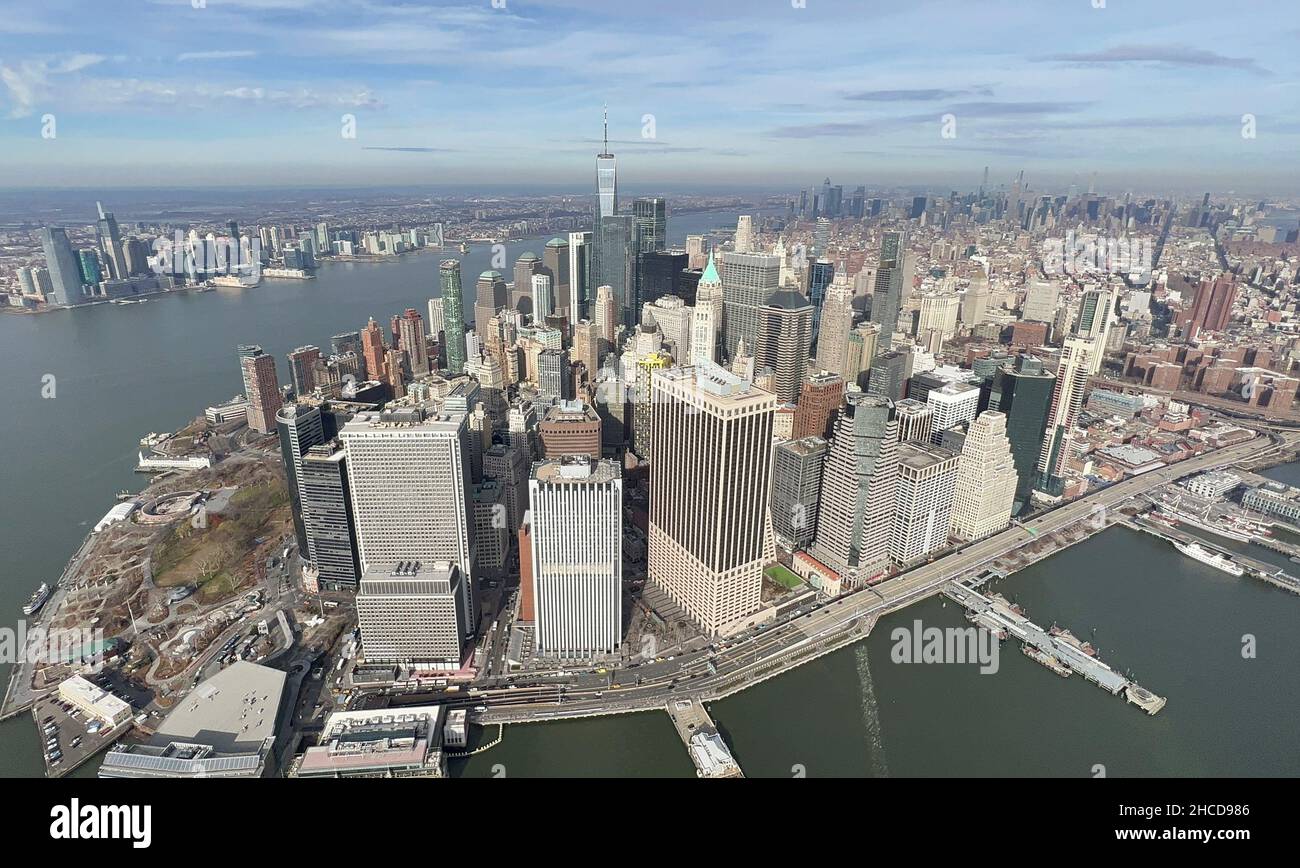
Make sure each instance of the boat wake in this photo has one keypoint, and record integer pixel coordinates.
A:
(871, 714)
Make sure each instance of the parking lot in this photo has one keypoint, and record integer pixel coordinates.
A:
(67, 737)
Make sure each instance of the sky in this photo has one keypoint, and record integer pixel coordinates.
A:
(702, 94)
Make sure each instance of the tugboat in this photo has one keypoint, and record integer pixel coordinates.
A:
(38, 599)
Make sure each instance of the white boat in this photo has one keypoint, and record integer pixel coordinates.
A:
(38, 599)
(1213, 559)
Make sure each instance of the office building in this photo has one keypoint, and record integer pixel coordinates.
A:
(63, 266)
(453, 315)
(302, 369)
(1023, 393)
(616, 264)
(570, 428)
(744, 240)
(857, 495)
(915, 420)
(1212, 307)
(490, 295)
(833, 327)
(527, 266)
(785, 330)
(711, 453)
(555, 265)
(892, 283)
(331, 550)
(582, 291)
(749, 281)
(706, 317)
(606, 180)
(110, 244)
(953, 404)
(927, 485)
(300, 427)
(409, 474)
(820, 399)
(576, 555)
(986, 479)
(796, 489)
(410, 328)
(554, 380)
(261, 387)
(889, 374)
(411, 614)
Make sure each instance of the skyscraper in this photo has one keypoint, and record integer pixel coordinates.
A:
(582, 291)
(302, 369)
(650, 214)
(819, 280)
(616, 263)
(927, 484)
(110, 243)
(707, 317)
(833, 331)
(555, 265)
(858, 487)
(411, 328)
(409, 474)
(749, 280)
(986, 479)
(260, 386)
(453, 314)
(820, 399)
(1081, 358)
(327, 517)
(300, 428)
(953, 404)
(784, 336)
(711, 453)
(607, 317)
(744, 242)
(412, 613)
(543, 300)
(576, 511)
(606, 180)
(63, 266)
(521, 298)
(373, 350)
(796, 488)
(490, 296)
(887, 296)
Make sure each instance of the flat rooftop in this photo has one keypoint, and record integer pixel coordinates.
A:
(233, 711)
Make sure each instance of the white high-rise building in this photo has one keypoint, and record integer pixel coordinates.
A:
(953, 404)
(576, 508)
(986, 479)
(409, 474)
(706, 319)
(607, 317)
(927, 484)
(836, 323)
(676, 321)
(744, 234)
(543, 298)
(711, 450)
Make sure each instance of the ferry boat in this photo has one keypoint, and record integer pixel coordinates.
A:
(464, 247)
(38, 599)
(1213, 559)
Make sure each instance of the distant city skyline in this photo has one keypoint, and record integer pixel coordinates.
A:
(253, 92)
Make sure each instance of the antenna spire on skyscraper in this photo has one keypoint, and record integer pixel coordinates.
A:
(606, 113)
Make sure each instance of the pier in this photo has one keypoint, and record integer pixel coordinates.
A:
(1275, 576)
(703, 742)
(1058, 650)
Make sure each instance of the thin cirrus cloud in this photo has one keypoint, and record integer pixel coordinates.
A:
(963, 111)
(915, 95)
(1161, 55)
(408, 149)
(214, 55)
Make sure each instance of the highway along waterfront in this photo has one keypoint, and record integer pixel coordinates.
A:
(1171, 623)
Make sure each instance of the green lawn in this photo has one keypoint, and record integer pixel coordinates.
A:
(783, 577)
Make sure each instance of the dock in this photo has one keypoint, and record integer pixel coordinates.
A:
(1275, 576)
(1059, 650)
(703, 742)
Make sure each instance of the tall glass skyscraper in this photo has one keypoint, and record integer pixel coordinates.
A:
(63, 265)
(887, 295)
(819, 278)
(453, 314)
(606, 180)
(615, 259)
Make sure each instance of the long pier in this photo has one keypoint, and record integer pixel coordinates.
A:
(1059, 651)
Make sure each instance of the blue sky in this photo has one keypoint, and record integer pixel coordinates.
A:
(1146, 93)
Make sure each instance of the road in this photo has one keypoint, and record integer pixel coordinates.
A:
(757, 654)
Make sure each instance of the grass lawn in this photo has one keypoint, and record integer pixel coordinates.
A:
(783, 577)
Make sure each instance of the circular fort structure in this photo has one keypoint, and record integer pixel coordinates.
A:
(168, 508)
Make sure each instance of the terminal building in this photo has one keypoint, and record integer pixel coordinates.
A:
(379, 743)
(226, 728)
